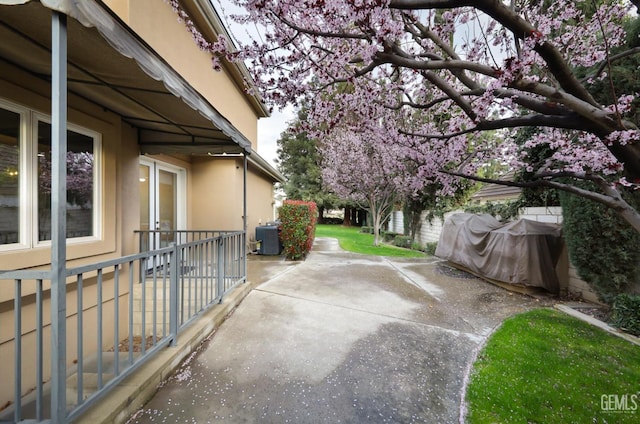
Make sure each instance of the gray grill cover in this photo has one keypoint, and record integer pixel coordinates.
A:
(521, 252)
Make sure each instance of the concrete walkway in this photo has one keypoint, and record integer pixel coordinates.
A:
(340, 338)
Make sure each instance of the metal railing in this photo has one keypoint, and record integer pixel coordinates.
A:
(119, 314)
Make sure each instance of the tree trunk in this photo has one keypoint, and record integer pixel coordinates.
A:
(320, 214)
(354, 216)
(362, 217)
(347, 217)
(376, 228)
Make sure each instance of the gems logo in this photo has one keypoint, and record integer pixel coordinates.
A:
(627, 403)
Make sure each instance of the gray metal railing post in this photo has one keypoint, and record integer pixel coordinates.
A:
(220, 268)
(58, 217)
(243, 252)
(174, 280)
(17, 364)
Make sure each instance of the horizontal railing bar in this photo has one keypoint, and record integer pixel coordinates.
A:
(118, 261)
(187, 231)
(25, 274)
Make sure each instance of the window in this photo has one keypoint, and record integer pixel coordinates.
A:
(10, 129)
(25, 182)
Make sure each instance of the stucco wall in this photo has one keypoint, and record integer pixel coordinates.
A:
(157, 24)
(217, 204)
(260, 201)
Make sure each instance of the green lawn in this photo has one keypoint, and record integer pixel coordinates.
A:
(544, 366)
(352, 240)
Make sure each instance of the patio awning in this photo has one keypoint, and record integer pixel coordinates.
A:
(111, 66)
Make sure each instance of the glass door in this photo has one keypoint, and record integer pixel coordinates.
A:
(161, 207)
(167, 206)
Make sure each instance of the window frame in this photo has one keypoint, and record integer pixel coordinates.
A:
(28, 180)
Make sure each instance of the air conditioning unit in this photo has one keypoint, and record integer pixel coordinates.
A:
(267, 235)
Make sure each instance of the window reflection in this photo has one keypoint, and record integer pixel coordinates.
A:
(9, 177)
(80, 183)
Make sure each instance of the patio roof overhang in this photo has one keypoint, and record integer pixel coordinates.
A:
(110, 65)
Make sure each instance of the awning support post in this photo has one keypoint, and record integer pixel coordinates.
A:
(58, 216)
(244, 214)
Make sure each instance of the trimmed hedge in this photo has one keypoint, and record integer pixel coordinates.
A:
(297, 228)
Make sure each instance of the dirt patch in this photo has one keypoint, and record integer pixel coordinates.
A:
(450, 271)
(600, 313)
(123, 346)
(490, 297)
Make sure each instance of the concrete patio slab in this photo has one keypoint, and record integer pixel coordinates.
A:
(342, 338)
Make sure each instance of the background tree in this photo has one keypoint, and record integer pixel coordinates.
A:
(299, 161)
(357, 166)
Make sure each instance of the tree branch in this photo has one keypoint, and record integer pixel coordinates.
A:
(572, 121)
(520, 28)
(324, 34)
(613, 58)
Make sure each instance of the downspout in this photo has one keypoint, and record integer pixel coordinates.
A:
(58, 216)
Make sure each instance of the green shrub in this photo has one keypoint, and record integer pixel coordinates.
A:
(430, 248)
(416, 246)
(297, 228)
(389, 237)
(602, 246)
(402, 241)
(366, 230)
(625, 313)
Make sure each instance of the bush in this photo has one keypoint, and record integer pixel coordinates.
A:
(602, 246)
(430, 248)
(366, 230)
(416, 246)
(625, 313)
(402, 241)
(389, 237)
(297, 228)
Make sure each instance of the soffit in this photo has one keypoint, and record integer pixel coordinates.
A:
(112, 67)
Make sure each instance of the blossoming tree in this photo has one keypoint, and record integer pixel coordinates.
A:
(448, 70)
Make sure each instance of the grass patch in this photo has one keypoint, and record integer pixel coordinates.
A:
(352, 240)
(544, 366)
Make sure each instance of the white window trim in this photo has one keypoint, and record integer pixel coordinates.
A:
(23, 224)
(28, 180)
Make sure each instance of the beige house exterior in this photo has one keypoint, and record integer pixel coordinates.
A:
(172, 146)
